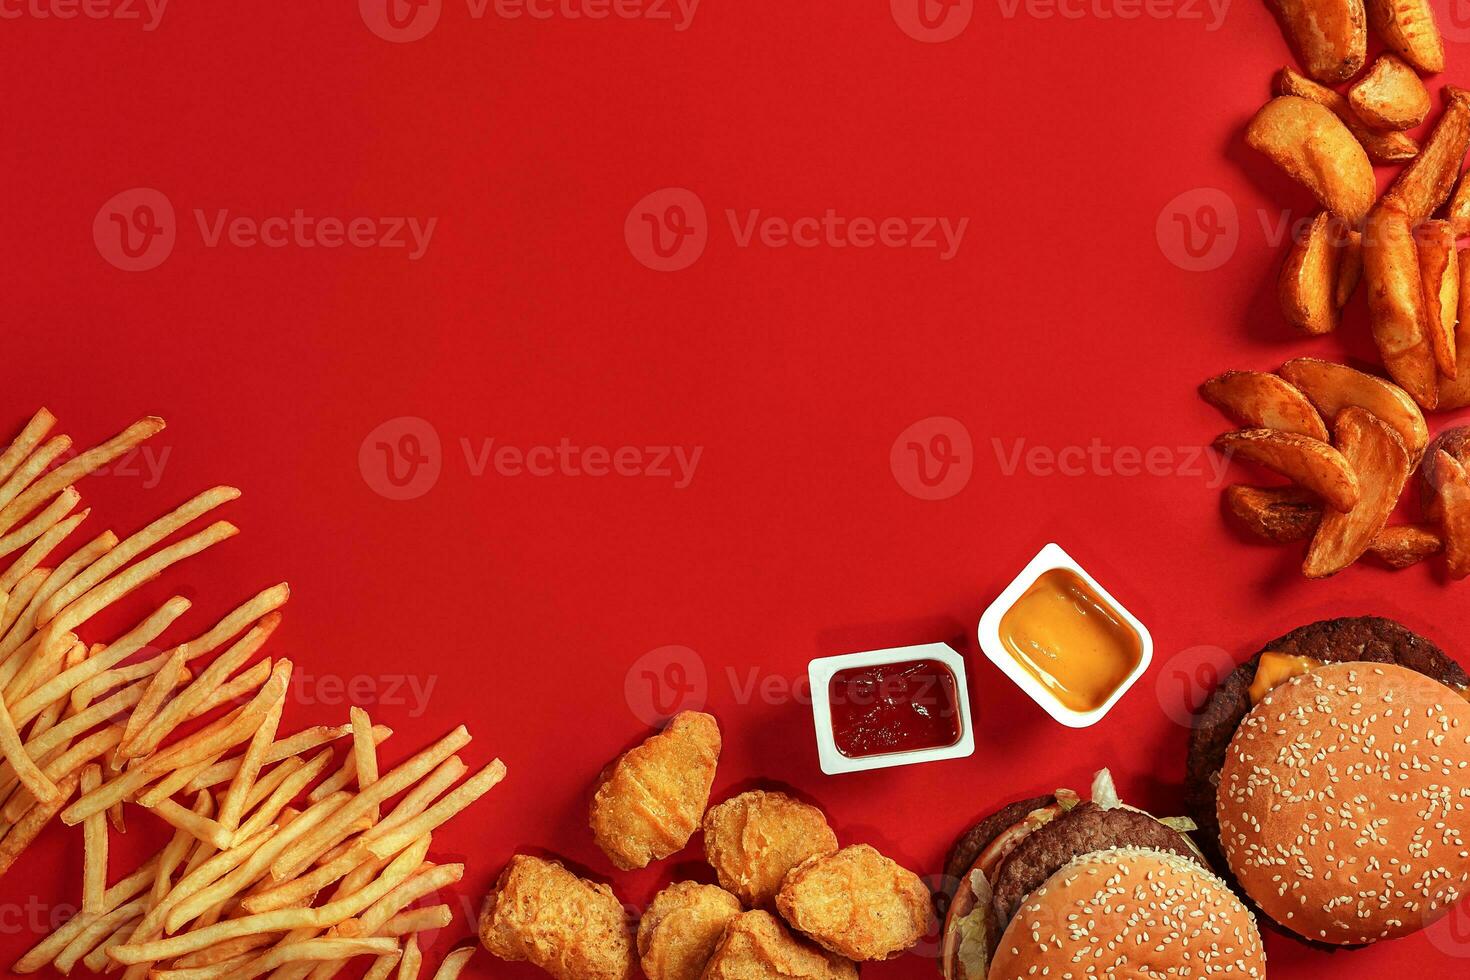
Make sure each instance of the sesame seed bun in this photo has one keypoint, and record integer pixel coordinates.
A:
(1135, 913)
(1344, 803)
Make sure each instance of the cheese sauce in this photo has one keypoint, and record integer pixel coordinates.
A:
(1071, 640)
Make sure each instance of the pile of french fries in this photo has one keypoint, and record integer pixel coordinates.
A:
(280, 863)
(1349, 441)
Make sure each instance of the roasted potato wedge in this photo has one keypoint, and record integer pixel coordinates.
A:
(1390, 95)
(1264, 401)
(1423, 185)
(1455, 392)
(1454, 512)
(1382, 147)
(1406, 545)
(1408, 27)
(1312, 145)
(1381, 463)
(1396, 306)
(1334, 387)
(1331, 36)
(1456, 444)
(1349, 267)
(1277, 514)
(1308, 462)
(1309, 281)
(1439, 269)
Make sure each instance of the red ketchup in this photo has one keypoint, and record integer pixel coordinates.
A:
(900, 707)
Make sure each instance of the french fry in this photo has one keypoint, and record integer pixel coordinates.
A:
(24, 627)
(160, 687)
(1382, 147)
(124, 891)
(425, 882)
(1308, 462)
(364, 752)
(316, 950)
(1422, 186)
(98, 960)
(35, 430)
(78, 467)
(30, 469)
(95, 931)
(1333, 387)
(232, 810)
(65, 502)
(94, 849)
(1390, 95)
(1406, 545)
(348, 772)
(1313, 146)
(1408, 27)
(412, 961)
(226, 733)
(382, 845)
(29, 827)
(1381, 463)
(19, 599)
(267, 784)
(43, 789)
(382, 967)
(417, 920)
(1396, 303)
(32, 557)
(209, 831)
(1264, 401)
(1330, 35)
(454, 963)
(1454, 507)
(227, 950)
(285, 748)
(233, 691)
(1439, 269)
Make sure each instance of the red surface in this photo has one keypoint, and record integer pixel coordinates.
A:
(528, 601)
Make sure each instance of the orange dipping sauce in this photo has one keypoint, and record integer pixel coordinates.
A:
(1071, 640)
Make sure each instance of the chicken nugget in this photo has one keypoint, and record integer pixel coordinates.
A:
(753, 839)
(756, 946)
(649, 800)
(543, 914)
(681, 928)
(857, 903)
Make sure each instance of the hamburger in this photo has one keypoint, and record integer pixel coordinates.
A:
(1055, 886)
(1330, 773)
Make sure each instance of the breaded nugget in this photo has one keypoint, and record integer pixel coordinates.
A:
(756, 946)
(857, 903)
(681, 929)
(543, 914)
(753, 839)
(649, 801)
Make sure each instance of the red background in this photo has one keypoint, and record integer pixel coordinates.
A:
(526, 600)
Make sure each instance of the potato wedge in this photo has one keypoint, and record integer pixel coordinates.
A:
(1408, 27)
(1309, 280)
(1382, 147)
(1264, 401)
(1390, 95)
(1331, 36)
(1312, 145)
(1396, 308)
(1277, 514)
(1456, 444)
(1455, 392)
(1454, 508)
(1423, 185)
(1406, 545)
(1349, 267)
(1334, 387)
(1381, 464)
(1308, 462)
(1439, 269)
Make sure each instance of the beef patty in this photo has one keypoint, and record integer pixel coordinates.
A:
(967, 849)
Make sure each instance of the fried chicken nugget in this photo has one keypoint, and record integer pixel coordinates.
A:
(681, 928)
(756, 946)
(649, 800)
(754, 839)
(857, 903)
(543, 914)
